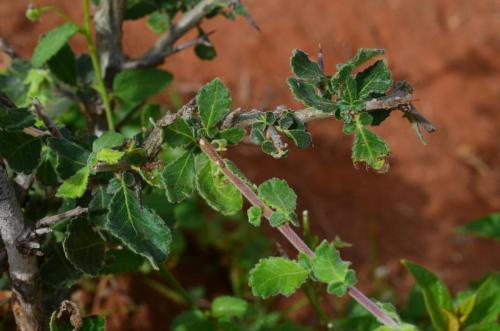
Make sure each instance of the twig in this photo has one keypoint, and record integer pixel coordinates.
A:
(7, 49)
(42, 114)
(201, 40)
(53, 219)
(240, 119)
(165, 44)
(286, 230)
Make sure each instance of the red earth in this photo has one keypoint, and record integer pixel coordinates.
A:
(449, 49)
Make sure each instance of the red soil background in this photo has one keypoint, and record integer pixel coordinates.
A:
(449, 49)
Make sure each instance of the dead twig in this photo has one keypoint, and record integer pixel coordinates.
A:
(164, 46)
(27, 240)
(42, 114)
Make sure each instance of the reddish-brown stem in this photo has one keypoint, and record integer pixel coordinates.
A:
(287, 231)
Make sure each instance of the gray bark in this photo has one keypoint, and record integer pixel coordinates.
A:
(108, 21)
(26, 291)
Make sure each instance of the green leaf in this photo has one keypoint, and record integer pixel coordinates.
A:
(492, 326)
(109, 156)
(63, 65)
(46, 173)
(205, 52)
(301, 138)
(64, 323)
(179, 133)
(278, 219)
(137, 85)
(15, 119)
(21, 151)
(214, 103)
(305, 69)
(109, 139)
(276, 275)
(306, 94)
(257, 133)
(51, 42)
(368, 147)
(179, 177)
(363, 55)
(228, 307)
(84, 247)
(465, 307)
(277, 194)
(215, 188)
(192, 320)
(159, 22)
(140, 229)
(374, 79)
(98, 206)
(349, 93)
(232, 135)
(75, 186)
(436, 295)
(400, 327)
(122, 261)
(254, 214)
(486, 309)
(56, 270)
(70, 156)
(329, 268)
(487, 226)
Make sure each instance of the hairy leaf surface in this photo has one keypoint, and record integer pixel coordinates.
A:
(374, 79)
(214, 103)
(51, 42)
(15, 119)
(305, 69)
(228, 307)
(140, 229)
(254, 214)
(70, 156)
(368, 147)
(136, 85)
(21, 151)
(179, 177)
(179, 133)
(84, 247)
(307, 95)
(76, 185)
(328, 267)
(215, 188)
(277, 194)
(276, 275)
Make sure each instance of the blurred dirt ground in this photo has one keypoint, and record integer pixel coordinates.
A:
(449, 49)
